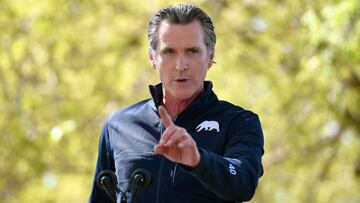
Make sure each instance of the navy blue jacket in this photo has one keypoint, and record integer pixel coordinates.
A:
(229, 138)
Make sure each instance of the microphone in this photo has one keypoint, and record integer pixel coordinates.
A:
(106, 180)
(140, 178)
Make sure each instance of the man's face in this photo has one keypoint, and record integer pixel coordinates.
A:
(181, 59)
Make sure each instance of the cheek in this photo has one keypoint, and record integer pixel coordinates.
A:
(166, 64)
(162, 72)
(201, 70)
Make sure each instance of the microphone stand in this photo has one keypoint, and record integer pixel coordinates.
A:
(106, 180)
(140, 178)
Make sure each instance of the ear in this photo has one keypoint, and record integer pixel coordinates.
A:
(211, 58)
(151, 58)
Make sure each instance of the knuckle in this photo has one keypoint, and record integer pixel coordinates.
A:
(183, 131)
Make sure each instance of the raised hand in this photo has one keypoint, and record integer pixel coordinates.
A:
(176, 144)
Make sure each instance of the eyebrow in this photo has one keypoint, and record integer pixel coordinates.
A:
(193, 48)
(186, 49)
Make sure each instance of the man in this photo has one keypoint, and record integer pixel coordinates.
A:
(197, 148)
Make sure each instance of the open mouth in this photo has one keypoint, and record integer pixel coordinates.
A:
(181, 80)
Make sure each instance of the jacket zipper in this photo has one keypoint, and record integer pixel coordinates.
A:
(174, 173)
(160, 168)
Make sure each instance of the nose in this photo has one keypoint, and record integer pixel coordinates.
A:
(181, 64)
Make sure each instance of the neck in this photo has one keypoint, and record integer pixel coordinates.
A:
(175, 106)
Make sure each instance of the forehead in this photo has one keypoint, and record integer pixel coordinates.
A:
(181, 36)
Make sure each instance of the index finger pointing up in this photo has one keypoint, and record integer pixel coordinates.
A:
(165, 117)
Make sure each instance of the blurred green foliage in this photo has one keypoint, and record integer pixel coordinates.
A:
(65, 65)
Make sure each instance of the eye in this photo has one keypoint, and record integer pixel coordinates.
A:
(194, 51)
(168, 51)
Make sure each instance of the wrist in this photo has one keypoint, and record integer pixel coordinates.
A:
(195, 164)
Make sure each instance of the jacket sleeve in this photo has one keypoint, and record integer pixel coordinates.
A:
(235, 175)
(105, 161)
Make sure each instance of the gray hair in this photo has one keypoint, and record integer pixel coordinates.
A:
(181, 14)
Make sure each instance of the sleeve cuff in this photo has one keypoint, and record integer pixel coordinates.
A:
(204, 165)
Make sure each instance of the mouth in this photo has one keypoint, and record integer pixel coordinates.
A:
(181, 80)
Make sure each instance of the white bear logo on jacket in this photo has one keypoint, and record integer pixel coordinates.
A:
(208, 126)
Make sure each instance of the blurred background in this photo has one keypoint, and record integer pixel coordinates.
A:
(65, 65)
